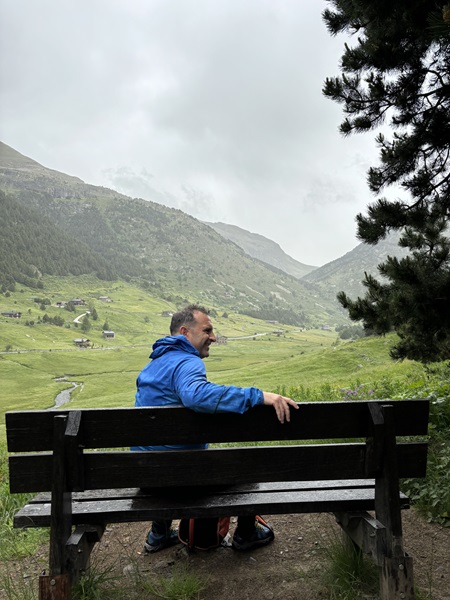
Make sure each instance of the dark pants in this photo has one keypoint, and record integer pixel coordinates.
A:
(246, 525)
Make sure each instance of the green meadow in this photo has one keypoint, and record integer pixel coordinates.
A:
(38, 360)
(35, 356)
(267, 355)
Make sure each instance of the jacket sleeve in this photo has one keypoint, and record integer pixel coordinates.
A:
(199, 394)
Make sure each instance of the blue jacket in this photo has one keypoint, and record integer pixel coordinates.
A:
(176, 376)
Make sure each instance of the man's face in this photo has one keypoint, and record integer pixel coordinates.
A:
(200, 334)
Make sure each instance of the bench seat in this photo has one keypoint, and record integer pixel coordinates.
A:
(132, 504)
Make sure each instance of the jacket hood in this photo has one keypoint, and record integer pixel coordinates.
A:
(172, 343)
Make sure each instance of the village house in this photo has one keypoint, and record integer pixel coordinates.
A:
(104, 299)
(82, 342)
(13, 314)
(78, 302)
(109, 334)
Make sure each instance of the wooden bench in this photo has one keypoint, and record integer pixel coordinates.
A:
(354, 469)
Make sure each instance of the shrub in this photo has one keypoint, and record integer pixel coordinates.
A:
(430, 494)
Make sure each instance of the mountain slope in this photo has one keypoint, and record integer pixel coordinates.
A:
(164, 249)
(262, 248)
(31, 245)
(347, 272)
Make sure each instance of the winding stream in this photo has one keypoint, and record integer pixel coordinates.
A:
(64, 396)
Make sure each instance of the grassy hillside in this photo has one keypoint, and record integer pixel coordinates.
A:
(38, 361)
(34, 358)
(347, 272)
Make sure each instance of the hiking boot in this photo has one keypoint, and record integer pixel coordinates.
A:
(260, 536)
(156, 542)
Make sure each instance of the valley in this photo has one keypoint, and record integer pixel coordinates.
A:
(38, 359)
(57, 225)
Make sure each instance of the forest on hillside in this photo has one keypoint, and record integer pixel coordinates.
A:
(31, 245)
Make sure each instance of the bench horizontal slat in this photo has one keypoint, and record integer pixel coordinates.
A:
(271, 486)
(104, 428)
(134, 505)
(33, 473)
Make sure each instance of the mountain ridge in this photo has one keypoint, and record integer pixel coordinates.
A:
(262, 248)
(170, 253)
(346, 273)
(219, 263)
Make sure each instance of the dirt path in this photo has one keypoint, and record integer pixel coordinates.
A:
(289, 569)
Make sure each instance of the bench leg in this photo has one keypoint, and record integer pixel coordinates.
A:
(396, 579)
(79, 547)
(368, 534)
(396, 574)
(56, 587)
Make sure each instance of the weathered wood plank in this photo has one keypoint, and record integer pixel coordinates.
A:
(32, 473)
(61, 508)
(276, 486)
(79, 547)
(144, 508)
(55, 587)
(397, 579)
(366, 532)
(387, 488)
(103, 428)
(111, 506)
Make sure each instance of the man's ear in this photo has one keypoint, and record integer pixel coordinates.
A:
(183, 330)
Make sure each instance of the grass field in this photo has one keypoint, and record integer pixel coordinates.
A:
(38, 361)
(33, 358)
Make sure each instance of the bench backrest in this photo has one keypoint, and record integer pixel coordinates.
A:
(76, 431)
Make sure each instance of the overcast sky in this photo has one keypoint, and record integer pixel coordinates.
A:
(211, 106)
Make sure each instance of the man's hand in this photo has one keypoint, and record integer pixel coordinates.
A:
(281, 405)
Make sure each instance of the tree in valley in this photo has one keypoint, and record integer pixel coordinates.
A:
(398, 75)
(85, 324)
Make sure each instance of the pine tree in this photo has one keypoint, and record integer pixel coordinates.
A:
(85, 324)
(398, 74)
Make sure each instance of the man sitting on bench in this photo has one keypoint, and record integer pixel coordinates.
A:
(175, 376)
